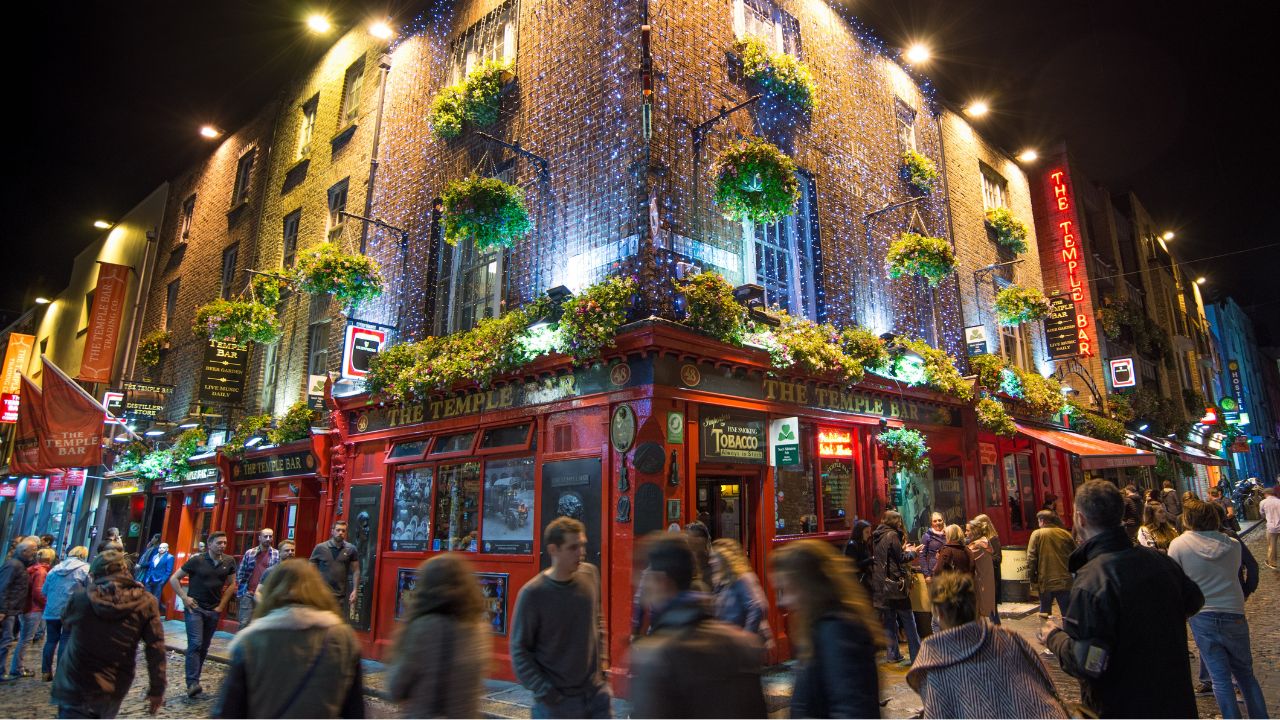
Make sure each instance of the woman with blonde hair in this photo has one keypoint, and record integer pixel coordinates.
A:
(740, 600)
(984, 573)
(833, 629)
(298, 658)
(442, 655)
(1156, 531)
(988, 530)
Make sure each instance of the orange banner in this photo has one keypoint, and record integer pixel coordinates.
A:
(28, 458)
(104, 323)
(73, 434)
(16, 359)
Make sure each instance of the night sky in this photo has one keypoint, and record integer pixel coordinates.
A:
(1155, 97)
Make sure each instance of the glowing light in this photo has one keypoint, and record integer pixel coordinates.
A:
(43, 301)
(1200, 280)
(1168, 235)
(318, 23)
(918, 53)
(1028, 155)
(381, 30)
(977, 109)
(210, 132)
(101, 224)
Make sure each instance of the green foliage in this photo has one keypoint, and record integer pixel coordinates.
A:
(1016, 305)
(1163, 415)
(1120, 407)
(711, 308)
(778, 73)
(1042, 395)
(907, 449)
(989, 369)
(266, 289)
(940, 371)
(1193, 401)
(249, 426)
(1119, 318)
(1094, 425)
(161, 464)
(813, 348)
(918, 255)
(864, 347)
(474, 100)
(591, 320)
(486, 210)
(352, 278)
(295, 425)
(150, 347)
(919, 171)
(756, 182)
(993, 417)
(1010, 231)
(238, 320)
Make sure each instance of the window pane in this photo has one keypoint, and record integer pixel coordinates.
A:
(453, 443)
(457, 506)
(508, 506)
(411, 510)
(229, 258)
(837, 476)
(411, 450)
(1016, 521)
(501, 437)
(796, 506)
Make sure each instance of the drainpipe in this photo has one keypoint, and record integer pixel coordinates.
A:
(384, 67)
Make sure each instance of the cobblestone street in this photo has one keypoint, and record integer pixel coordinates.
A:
(30, 697)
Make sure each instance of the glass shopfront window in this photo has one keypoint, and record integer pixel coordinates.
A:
(795, 494)
(508, 506)
(411, 510)
(457, 507)
(837, 476)
(1019, 484)
(453, 443)
(938, 489)
(248, 518)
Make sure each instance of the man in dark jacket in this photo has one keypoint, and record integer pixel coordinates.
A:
(1124, 634)
(1132, 517)
(101, 629)
(1172, 503)
(891, 586)
(691, 665)
(15, 587)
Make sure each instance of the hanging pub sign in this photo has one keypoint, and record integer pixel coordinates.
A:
(784, 440)
(1122, 375)
(105, 312)
(75, 477)
(315, 391)
(1060, 335)
(222, 374)
(975, 340)
(144, 400)
(835, 442)
(360, 345)
(113, 401)
(8, 490)
(735, 437)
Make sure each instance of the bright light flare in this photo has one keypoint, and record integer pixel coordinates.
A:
(381, 29)
(210, 132)
(102, 224)
(318, 23)
(977, 109)
(1028, 155)
(918, 53)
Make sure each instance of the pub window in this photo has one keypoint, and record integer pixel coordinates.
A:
(411, 509)
(337, 209)
(476, 278)
(307, 126)
(318, 348)
(1019, 486)
(411, 451)
(88, 310)
(229, 259)
(1015, 346)
(171, 303)
(457, 507)
(508, 507)
(763, 19)
(796, 500)
(835, 473)
(517, 435)
(352, 84)
(906, 117)
(493, 37)
(292, 222)
(995, 189)
(269, 368)
(459, 442)
(782, 257)
(248, 517)
(244, 171)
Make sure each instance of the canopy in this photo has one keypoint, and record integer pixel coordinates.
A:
(1187, 453)
(1094, 454)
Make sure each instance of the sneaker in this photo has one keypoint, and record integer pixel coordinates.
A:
(194, 690)
(1204, 688)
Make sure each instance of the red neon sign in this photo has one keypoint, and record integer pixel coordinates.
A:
(835, 443)
(1071, 259)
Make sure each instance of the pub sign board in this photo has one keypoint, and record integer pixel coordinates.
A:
(290, 464)
(1061, 337)
(145, 400)
(222, 374)
(733, 437)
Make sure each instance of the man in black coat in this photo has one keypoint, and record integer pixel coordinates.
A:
(1124, 634)
(1132, 518)
(15, 589)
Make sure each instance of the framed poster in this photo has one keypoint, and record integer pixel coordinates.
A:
(508, 507)
(572, 488)
(406, 581)
(493, 586)
(411, 510)
(362, 531)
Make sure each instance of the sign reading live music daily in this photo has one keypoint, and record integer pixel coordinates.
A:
(222, 374)
(1060, 335)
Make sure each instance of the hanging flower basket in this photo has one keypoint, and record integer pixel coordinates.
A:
(919, 172)
(474, 100)
(993, 417)
(906, 448)
(778, 73)
(267, 289)
(352, 278)
(1016, 305)
(486, 211)
(591, 320)
(238, 320)
(755, 182)
(1010, 231)
(151, 347)
(711, 308)
(918, 255)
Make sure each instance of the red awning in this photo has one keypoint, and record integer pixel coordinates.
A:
(1094, 454)
(1196, 455)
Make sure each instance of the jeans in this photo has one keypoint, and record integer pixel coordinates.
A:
(1273, 549)
(201, 624)
(28, 623)
(103, 709)
(597, 705)
(8, 638)
(157, 589)
(52, 637)
(244, 610)
(1223, 641)
(1047, 598)
(892, 619)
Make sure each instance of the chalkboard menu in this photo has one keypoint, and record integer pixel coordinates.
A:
(1060, 336)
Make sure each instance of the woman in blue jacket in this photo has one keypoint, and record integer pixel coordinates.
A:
(64, 579)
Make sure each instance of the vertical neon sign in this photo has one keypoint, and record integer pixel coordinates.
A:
(1071, 257)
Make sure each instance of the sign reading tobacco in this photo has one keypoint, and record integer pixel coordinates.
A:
(736, 437)
(222, 373)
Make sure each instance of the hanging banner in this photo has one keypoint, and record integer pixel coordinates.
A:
(16, 358)
(222, 373)
(74, 432)
(9, 404)
(144, 400)
(37, 484)
(75, 477)
(26, 457)
(104, 323)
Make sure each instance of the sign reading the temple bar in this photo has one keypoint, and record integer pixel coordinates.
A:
(145, 400)
(222, 374)
(300, 462)
(1060, 335)
(735, 437)
(196, 475)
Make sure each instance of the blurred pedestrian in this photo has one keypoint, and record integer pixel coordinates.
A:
(256, 561)
(833, 628)
(700, 543)
(933, 540)
(1156, 531)
(443, 653)
(691, 664)
(15, 589)
(558, 646)
(984, 573)
(1132, 513)
(298, 658)
(101, 629)
(211, 585)
(339, 563)
(739, 598)
(891, 585)
(1048, 554)
(860, 553)
(973, 668)
(156, 571)
(1124, 632)
(1270, 509)
(32, 612)
(62, 581)
(988, 530)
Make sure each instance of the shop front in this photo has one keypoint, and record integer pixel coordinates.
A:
(126, 498)
(190, 500)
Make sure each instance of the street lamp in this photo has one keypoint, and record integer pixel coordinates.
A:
(43, 301)
(210, 132)
(1168, 235)
(318, 24)
(1200, 280)
(977, 109)
(918, 54)
(381, 29)
(102, 224)
(1028, 155)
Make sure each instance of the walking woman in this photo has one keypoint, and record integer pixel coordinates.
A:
(988, 530)
(62, 581)
(298, 658)
(973, 668)
(739, 598)
(442, 656)
(983, 571)
(891, 585)
(858, 550)
(1156, 531)
(833, 630)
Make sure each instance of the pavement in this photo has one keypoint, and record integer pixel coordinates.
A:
(29, 697)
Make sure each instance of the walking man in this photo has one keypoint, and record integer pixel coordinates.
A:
(1048, 554)
(1270, 509)
(1124, 631)
(15, 588)
(157, 570)
(557, 635)
(255, 563)
(1132, 513)
(211, 584)
(339, 563)
(287, 550)
(1212, 560)
(1172, 504)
